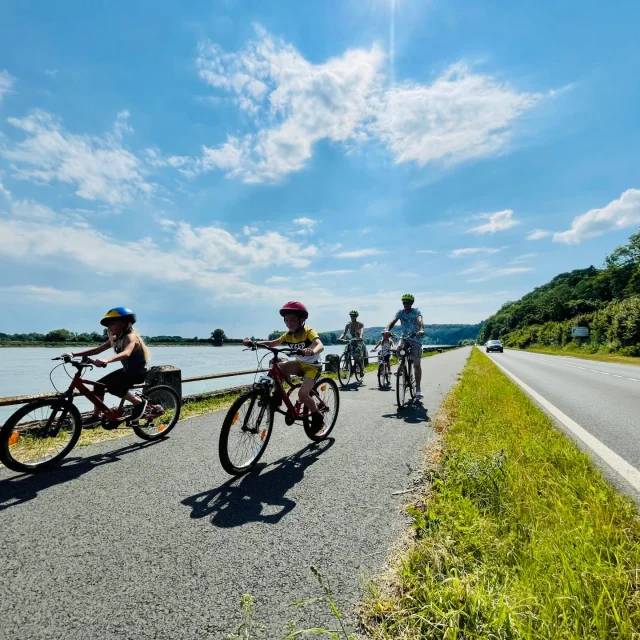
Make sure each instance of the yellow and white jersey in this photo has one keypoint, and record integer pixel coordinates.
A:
(303, 341)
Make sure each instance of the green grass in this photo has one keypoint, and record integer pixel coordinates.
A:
(575, 353)
(518, 535)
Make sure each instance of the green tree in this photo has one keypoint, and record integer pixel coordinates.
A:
(274, 334)
(58, 335)
(218, 336)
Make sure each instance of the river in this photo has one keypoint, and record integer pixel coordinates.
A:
(26, 370)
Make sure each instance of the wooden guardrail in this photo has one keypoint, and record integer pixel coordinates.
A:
(4, 402)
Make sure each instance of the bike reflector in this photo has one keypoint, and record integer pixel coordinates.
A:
(263, 435)
(235, 418)
(323, 387)
(161, 428)
(13, 438)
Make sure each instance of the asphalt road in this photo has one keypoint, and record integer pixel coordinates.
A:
(137, 541)
(602, 397)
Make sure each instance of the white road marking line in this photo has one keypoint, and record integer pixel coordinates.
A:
(618, 464)
(575, 366)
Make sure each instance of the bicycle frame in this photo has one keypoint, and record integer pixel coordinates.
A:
(78, 384)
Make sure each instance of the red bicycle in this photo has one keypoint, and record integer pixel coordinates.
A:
(43, 432)
(248, 424)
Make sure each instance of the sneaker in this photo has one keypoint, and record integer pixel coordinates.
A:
(317, 422)
(138, 410)
(91, 421)
(419, 396)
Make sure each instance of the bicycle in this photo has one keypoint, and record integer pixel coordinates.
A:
(43, 432)
(405, 380)
(384, 366)
(250, 418)
(351, 362)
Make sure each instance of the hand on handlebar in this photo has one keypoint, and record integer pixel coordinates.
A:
(98, 363)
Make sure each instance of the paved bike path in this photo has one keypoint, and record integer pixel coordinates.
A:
(137, 541)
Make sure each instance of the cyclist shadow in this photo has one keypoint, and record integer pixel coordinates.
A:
(352, 386)
(18, 489)
(243, 500)
(413, 414)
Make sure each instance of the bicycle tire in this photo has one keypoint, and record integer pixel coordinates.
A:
(344, 369)
(381, 376)
(358, 370)
(410, 379)
(387, 375)
(8, 430)
(264, 404)
(401, 384)
(332, 413)
(163, 424)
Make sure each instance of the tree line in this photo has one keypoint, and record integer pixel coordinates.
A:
(606, 299)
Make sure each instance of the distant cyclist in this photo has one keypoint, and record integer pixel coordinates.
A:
(356, 331)
(411, 323)
(130, 350)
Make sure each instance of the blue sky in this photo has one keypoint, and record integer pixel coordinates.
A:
(203, 165)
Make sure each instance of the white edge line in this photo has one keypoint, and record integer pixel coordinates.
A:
(618, 464)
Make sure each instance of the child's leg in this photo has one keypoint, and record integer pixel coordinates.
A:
(303, 394)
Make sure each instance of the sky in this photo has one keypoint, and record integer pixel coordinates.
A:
(203, 163)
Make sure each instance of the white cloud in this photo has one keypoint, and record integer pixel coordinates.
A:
(523, 258)
(360, 253)
(99, 167)
(618, 214)
(470, 251)
(538, 234)
(208, 258)
(307, 224)
(335, 272)
(426, 251)
(497, 273)
(6, 83)
(51, 295)
(276, 279)
(30, 210)
(4, 191)
(499, 221)
(486, 271)
(295, 104)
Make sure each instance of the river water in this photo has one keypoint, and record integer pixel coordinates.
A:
(26, 370)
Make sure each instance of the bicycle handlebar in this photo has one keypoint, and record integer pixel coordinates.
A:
(254, 347)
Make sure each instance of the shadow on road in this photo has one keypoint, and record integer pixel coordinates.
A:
(413, 414)
(252, 497)
(21, 488)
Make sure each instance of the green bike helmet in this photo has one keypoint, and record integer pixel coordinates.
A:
(353, 312)
(409, 297)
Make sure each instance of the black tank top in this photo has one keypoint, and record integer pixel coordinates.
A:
(136, 362)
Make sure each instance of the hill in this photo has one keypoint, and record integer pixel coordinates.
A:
(607, 300)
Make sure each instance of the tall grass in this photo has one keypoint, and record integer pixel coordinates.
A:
(518, 536)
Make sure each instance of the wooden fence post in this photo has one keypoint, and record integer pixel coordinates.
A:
(165, 374)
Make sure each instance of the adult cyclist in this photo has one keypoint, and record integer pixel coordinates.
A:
(356, 330)
(411, 323)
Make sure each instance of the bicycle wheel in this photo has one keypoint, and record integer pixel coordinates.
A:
(39, 434)
(245, 432)
(358, 370)
(325, 393)
(387, 375)
(161, 415)
(381, 376)
(344, 369)
(402, 383)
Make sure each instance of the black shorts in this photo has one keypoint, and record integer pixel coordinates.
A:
(119, 382)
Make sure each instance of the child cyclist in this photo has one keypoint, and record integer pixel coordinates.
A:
(130, 350)
(387, 345)
(308, 364)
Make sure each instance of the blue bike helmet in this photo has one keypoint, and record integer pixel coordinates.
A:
(118, 312)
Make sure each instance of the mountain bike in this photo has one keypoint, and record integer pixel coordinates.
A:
(405, 380)
(351, 362)
(247, 427)
(43, 432)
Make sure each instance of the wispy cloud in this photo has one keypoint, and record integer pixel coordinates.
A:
(525, 257)
(538, 234)
(6, 83)
(277, 279)
(307, 226)
(426, 251)
(360, 253)
(99, 167)
(499, 221)
(471, 251)
(485, 271)
(347, 99)
(618, 214)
